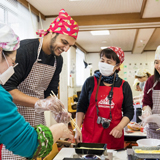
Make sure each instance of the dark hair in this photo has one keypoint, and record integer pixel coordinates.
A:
(139, 76)
(110, 54)
(156, 75)
(147, 73)
(7, 53)
(53, 32)
(56, 34)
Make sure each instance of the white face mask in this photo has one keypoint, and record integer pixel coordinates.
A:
(8, 73)
(105, 69)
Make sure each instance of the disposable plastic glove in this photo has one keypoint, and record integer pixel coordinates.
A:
(49, 104)
(155, 118)
(60, 130)
(61, 117)
(146, 112)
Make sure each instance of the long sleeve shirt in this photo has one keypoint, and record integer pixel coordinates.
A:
(26, 56)
(15, 133)
(147, 98)
(87, 89)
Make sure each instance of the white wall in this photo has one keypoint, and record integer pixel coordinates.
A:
(146, 57)
(71, 71)
(94, 59)
(45, 23)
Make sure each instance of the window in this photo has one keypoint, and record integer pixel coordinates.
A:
(17, 16)
(2, 15)
(12, 18)
(80, 56)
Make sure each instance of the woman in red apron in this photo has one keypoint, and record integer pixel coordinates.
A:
(103, 99)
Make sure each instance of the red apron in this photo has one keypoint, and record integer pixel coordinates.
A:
(0, 150)
(95, 133)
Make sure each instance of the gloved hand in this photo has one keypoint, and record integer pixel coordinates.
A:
(49, 104)
(61, 117)
(155, 118)
(146, 111)
(60, 130)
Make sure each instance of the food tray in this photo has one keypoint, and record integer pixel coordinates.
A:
(146, 155)
(90, 148)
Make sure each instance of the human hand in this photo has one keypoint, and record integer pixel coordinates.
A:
(154, 118)
(116, 132)
(61, 117)
(138, 88)
(146, 111)
(60, 130)
(78, 137)
(49, 104)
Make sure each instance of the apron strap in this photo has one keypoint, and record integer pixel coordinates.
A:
(97, 93)
(39, 49)
(152, 87)
(55, 64)
(110, 96)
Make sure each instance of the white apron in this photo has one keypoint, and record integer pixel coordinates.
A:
(151, 131)
(34, 85)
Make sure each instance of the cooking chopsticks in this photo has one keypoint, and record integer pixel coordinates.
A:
(71, 119)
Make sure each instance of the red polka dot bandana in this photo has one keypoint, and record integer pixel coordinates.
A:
(119, 53)
(63, 24)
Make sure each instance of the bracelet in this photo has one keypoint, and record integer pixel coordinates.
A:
(45, 140)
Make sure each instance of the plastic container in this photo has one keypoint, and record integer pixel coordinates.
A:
(153, 156)
(148, 142)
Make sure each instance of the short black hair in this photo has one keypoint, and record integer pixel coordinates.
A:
(156, 75)
(110, 54)
(52, 32)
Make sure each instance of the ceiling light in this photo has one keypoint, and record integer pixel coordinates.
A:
(104, 47)
(104, 41)
(105, 32)
(141, 41)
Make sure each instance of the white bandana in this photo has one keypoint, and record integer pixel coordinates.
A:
(9, 41)
(141, 72)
